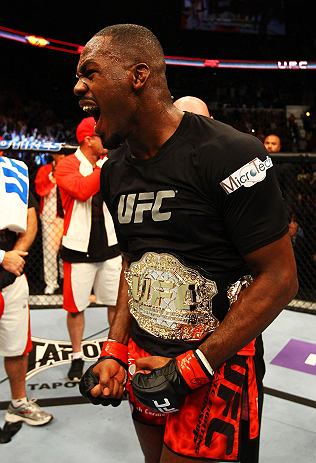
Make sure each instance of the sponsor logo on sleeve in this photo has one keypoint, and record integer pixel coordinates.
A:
(248, 175)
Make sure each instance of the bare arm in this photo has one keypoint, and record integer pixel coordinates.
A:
(111, 374)
(275, 284)
(121, 325)
(26, 239)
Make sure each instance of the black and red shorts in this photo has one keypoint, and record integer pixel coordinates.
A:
(208, 425)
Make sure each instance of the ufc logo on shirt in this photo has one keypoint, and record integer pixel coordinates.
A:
(132, 207)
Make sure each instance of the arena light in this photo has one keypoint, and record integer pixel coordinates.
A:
(68, 47)
(240, 64)
(37, 41)
(34, 40)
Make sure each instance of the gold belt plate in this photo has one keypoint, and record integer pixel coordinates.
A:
(170, 300)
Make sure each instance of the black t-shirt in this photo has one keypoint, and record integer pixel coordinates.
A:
(209, 195)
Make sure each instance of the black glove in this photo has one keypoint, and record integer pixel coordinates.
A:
(89, 380)
(164, 389)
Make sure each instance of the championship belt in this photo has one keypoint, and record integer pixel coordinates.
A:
(170, 300)
(236, 288)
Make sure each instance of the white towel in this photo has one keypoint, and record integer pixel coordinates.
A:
(14, 186)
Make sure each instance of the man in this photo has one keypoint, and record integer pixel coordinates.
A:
(285, 172)
(272, 143)
(18, 230)
(193, 105)
(249, 450)
(197, 210)
(52, 217)
(92, 259)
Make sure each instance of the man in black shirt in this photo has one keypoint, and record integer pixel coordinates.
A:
(207, 256)
(249, 449)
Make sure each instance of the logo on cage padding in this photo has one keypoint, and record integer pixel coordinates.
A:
(48, 353)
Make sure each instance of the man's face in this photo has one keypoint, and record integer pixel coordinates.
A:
(104, 90)
(293, 228)
(272, 144)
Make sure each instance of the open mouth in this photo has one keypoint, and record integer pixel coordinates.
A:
(92, 109)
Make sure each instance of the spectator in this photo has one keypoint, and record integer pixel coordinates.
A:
(90, 251)
(272, 143)
(193, 105)
(52, 214)
(15, 336)
(285, 173)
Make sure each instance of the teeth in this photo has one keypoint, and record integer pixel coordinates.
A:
(89, 108)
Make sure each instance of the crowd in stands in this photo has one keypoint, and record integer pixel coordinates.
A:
(252, 105)
(34, 123)
(254, 108)
(22, 118)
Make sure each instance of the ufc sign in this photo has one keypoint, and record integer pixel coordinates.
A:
(132, 207)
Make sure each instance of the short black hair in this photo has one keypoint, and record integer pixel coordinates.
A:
(138, 42)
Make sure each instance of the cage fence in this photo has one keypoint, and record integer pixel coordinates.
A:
(296, 174)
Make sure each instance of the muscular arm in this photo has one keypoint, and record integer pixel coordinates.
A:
(275, 284)
(111, 374)
(123, 319)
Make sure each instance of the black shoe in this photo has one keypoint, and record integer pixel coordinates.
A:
(75, 372)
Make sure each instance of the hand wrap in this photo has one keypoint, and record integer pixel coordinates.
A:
(164, 389)
(115, 350)
(110, 350)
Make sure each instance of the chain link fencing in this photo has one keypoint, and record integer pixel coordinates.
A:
(296, 174)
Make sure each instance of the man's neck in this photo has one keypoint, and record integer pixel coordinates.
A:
(92, 158)
(150, 138)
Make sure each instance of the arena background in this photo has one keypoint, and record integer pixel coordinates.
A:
(36, 90)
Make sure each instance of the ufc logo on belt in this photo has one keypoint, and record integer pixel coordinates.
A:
(130, 206)
(163, 289)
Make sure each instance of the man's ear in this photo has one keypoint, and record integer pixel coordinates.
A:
(141, 73)
(88, 140)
